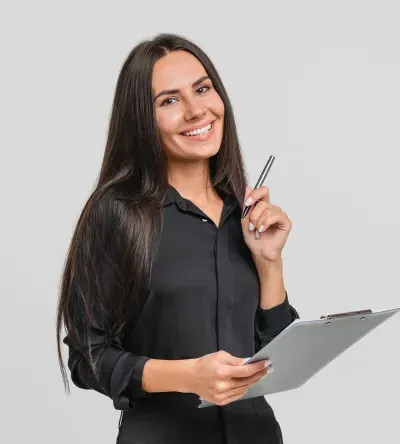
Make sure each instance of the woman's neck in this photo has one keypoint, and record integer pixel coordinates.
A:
(193, 183)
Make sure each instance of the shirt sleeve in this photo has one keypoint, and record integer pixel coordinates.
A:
(120, 375)
(270, 322)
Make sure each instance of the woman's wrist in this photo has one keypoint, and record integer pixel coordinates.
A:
(168, 375)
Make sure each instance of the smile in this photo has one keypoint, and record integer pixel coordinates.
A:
(198, 131)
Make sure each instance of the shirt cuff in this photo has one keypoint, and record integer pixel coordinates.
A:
(135, 383)
(126, 383)
(276, 318)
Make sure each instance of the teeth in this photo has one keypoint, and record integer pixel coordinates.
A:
(198, 131)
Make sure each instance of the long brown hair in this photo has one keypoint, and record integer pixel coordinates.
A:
(107, 271)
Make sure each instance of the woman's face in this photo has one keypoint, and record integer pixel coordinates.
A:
(185, 100)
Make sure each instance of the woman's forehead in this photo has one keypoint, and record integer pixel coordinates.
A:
(175, 70)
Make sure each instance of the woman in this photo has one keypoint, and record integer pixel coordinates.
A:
(166, 289)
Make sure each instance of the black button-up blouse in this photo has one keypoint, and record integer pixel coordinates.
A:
(204, 297)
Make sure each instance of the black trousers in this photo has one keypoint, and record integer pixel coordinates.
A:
(173, 418)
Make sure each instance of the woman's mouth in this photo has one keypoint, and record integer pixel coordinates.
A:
(200, 134)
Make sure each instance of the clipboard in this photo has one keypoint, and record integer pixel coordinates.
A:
(304, 347)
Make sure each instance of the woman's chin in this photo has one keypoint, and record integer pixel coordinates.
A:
(203, 152)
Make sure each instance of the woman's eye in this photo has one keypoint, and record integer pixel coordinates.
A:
(166, 100)
(202, 87)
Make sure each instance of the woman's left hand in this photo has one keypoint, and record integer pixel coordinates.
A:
(269, 225)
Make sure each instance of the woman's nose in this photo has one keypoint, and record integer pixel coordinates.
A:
(194, 108)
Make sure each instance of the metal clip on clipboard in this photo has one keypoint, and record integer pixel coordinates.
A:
(345, 314)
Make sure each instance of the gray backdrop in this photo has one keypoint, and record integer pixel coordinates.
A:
(315, 83)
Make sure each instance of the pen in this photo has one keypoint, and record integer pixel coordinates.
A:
(260, 180)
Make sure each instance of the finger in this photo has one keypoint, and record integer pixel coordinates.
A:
(246, 196)
(261, 193)
(269, 218)
(234, 383)
(243, 382)
(244, 371)
(226, 358)
(247, 193)
(257, 211)
(238, 395)
(238, 385)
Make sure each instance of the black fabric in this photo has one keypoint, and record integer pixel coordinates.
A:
(204, 297)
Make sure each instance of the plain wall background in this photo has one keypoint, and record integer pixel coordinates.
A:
(315, 83)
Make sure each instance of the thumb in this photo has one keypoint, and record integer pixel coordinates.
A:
(247, 193)
(228, 359)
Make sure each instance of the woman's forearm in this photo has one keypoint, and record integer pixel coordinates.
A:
(272, 287)
(167, 375)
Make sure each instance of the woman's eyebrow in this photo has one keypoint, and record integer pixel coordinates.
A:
(176, 91)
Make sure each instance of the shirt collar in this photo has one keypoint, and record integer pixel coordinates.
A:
(174, 196)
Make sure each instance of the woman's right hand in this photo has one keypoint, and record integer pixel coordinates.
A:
(221, 378)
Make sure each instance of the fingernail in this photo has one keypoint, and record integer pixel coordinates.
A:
(248, 201)
(261, 228)
(267, 363)
(257, 234)
(251, 227)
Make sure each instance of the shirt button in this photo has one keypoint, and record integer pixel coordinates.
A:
(204, 220)
(261, 327)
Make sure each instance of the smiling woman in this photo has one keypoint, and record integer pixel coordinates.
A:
(160, 295)
(188, 108)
